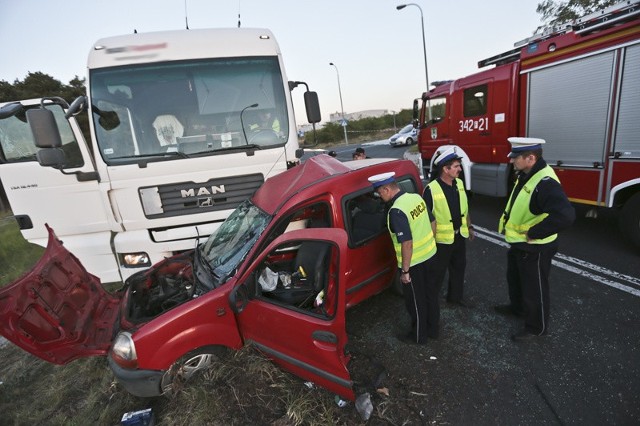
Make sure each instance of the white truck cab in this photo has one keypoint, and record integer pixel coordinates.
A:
(185, 125)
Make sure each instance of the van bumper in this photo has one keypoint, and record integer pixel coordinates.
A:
(142, 383)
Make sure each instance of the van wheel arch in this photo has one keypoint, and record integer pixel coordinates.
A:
(189, 365)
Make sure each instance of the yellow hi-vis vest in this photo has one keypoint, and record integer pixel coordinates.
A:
(424, 245)
(516, 223)
(444, 225)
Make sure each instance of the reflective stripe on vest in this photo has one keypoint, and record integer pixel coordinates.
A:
(520, 217)
(444, 225)
(424, 245)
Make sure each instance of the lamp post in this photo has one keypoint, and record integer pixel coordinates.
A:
(394, 121)
(424, 49)
(344, 126)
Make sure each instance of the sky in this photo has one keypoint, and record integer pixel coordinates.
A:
(377, 50)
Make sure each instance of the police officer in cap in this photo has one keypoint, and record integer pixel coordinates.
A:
(446, 198)
(536, 211)
(411, 228)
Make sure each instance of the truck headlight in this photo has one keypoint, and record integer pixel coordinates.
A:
(123, 351)
(135, 260)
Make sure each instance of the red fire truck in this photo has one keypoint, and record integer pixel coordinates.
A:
(577, 87)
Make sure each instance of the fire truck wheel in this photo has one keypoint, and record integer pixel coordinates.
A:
(630, 219)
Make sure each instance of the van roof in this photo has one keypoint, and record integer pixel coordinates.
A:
(280, 188)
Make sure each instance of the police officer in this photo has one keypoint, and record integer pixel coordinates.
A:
(411, 228)
(536, 211)
(446, 198)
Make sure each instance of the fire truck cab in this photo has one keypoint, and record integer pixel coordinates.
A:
(576, 87)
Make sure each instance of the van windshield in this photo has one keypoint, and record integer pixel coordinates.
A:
(188, 108)
(230, 243)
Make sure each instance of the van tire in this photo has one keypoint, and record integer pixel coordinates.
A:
(188, 366)
(630, 219)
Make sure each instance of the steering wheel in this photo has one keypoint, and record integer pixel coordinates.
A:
(263, 136)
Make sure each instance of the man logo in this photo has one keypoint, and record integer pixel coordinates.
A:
(203, 191)
(205, 202)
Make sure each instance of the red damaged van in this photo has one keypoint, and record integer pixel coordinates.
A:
(279, 273)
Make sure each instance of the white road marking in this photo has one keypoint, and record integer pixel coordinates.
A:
(580, 267)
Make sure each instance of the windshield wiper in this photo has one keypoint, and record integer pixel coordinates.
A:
(200, 263)
(154, 154)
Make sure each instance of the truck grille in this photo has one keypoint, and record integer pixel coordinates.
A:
(185, 198)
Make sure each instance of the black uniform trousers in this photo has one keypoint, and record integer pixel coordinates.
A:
(528, 279)
(421, 300)
(452, 258)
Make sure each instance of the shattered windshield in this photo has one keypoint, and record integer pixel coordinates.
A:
(229, 244)
(189, 108)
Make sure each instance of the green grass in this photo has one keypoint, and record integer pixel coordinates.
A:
(17, 256)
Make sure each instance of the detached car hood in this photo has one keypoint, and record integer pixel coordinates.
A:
(58, 311)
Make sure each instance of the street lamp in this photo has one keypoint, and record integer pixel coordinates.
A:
(424, 49)
(344, 124)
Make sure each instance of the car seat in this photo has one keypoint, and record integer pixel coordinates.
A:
(313, 257)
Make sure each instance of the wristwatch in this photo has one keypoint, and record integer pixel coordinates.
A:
(404, 272)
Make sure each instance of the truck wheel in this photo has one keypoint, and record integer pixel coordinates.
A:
(630, 219)
(188, 366)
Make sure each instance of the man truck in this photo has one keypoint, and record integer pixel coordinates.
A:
(174, 145)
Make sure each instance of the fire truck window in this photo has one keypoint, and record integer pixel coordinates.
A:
(438, 109)
(475, 101)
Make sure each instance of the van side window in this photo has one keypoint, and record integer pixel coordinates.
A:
(475, 101)
(315, 215)
(366, 214)
(366, 217)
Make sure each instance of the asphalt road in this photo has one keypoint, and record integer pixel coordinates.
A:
(587, 371)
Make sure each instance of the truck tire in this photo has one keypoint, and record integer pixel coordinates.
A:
(630, 219)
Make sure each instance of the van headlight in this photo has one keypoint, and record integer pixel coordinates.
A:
(123, 351)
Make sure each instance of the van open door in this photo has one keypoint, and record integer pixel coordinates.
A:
(69, 198)
(300, 326)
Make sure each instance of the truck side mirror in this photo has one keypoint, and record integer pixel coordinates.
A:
(312, 106)
(46, 137)
(77, 106)
(416, 110)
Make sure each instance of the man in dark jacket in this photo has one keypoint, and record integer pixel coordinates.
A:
(536, 211)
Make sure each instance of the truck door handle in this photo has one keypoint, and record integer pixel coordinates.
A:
(485, 133)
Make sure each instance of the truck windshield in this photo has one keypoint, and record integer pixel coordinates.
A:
(193, 108)
(230, 243)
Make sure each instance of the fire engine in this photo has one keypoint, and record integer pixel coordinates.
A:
(577, 87)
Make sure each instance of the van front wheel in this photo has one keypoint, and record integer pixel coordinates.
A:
(188, 366)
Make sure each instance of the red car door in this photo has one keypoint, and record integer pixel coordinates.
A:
(308, 342)
(58, 311)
